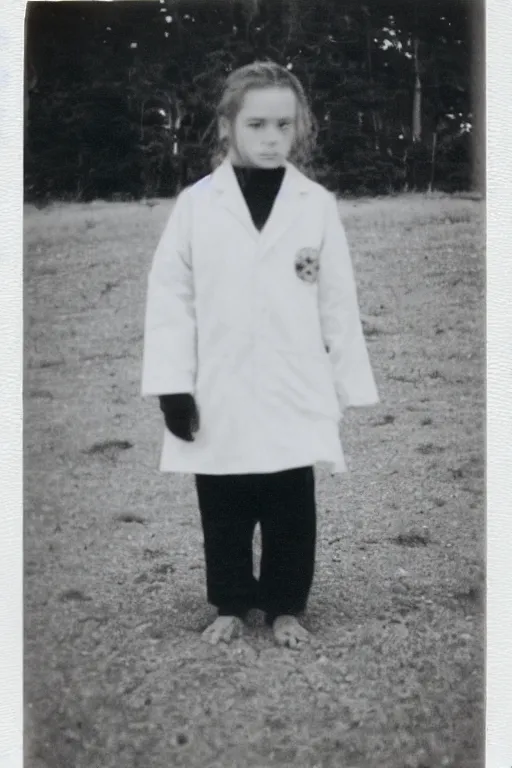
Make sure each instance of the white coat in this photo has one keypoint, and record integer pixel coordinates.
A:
(242, 319)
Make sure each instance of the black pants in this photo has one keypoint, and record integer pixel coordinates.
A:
(283, 503)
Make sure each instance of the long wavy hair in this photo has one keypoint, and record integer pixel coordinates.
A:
(266, 74)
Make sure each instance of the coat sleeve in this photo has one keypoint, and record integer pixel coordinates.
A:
(170, 356)
(340, 319)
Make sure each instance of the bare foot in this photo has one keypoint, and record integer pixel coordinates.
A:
(223, 629)
(288, 632)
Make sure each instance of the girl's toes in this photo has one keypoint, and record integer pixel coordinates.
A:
(223, 629)
(296, 640)
(282, 638)
(232, 630)
(209, 635)
(288, 632)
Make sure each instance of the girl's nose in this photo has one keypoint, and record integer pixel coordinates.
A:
(272, 137)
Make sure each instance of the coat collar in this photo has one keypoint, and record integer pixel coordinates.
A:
(295, 186)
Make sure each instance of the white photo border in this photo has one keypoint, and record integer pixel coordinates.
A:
(11, 378)
(499, 383)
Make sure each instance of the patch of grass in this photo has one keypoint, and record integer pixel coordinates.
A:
(459, 218)
(402, 378)
(412, 539)
(46, 272)
(385, 420)
(40, 394)
(153, 554)
(109, 286)
(43, 364)
(472, 595)
(473, 592)
(370, 331)
(426, 449)
(104, 356)
(74, 595)
(155, 586)
(128, 517)
(109, 446)
(164, 569)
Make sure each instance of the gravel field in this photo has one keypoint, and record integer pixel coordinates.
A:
(116, 675)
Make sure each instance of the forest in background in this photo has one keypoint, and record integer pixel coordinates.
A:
(120, 96)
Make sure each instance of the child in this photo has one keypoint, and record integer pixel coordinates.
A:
(254, 345)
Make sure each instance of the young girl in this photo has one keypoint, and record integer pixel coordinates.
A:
(254, 345)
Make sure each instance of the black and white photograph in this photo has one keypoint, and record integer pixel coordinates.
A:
(254, 384)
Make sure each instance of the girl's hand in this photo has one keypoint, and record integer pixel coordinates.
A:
(181, 415)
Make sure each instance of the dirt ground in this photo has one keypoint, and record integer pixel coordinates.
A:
(116, 674)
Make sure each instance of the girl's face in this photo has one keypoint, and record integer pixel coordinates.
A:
(264, 128)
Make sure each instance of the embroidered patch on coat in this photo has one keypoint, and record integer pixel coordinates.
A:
(307, 264)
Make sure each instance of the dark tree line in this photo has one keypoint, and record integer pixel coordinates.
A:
(120, 97)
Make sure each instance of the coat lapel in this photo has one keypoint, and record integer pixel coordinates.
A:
(229, 195)
(286, 208)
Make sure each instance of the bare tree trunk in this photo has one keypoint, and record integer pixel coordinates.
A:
(433, 161)
(369, 61)
(478, 98)
(376, 130)
(251, 10)
(292, 11)
(406, 171)
(253, 7)
(416, 104)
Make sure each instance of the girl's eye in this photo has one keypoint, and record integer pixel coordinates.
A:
(284, 126)
(255, 125)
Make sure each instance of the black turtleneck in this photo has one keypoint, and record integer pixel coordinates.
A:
(259, 187)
